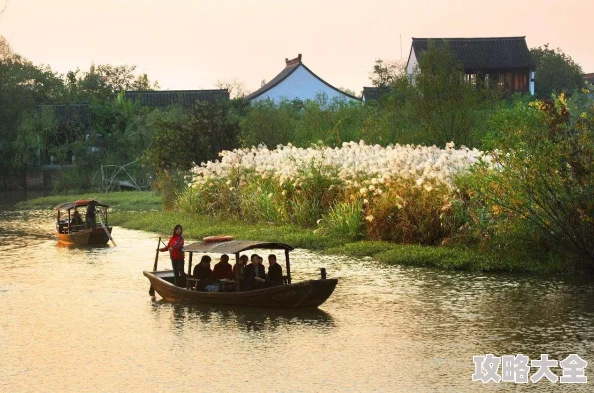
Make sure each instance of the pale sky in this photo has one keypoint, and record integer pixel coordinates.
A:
(190, 44)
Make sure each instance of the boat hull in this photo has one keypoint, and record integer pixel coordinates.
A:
(89, 236)
(311, 293)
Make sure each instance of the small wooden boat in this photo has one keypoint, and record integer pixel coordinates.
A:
(74, 230)
(310, 293)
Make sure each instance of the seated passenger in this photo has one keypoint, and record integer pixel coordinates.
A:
(76, 218)
(203, 273)
(202, 270)
(242, 262)
(254, 275)
(275, 272)
(223, 269)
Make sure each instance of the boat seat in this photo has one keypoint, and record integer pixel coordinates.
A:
(192, 283)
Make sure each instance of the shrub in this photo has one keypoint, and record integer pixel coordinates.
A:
(541, 173)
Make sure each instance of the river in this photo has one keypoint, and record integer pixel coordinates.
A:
(77, 319)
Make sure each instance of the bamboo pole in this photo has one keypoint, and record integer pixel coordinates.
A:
(190, 264)
(237, 272)
(151, 290)
(157, 255)
(288, 266)
(105, 228)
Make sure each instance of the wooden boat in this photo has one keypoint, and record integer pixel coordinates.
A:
(69, 231)
(310, 293)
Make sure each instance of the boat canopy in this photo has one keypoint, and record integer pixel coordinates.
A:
(79, 203)
(234, 246)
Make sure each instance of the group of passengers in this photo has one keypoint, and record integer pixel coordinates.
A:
(76, 220)
(251, 276)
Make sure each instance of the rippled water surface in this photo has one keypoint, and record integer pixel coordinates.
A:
(75, 319)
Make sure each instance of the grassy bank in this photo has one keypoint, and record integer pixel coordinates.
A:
(143, 211)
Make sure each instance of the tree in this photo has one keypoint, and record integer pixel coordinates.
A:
(348, 91)
(102, 81)
(22, 86)
(236, 87)
(540, 173)
(385, 72)
(5, 49)
(556, 72)
(446, 105)
(180, 142)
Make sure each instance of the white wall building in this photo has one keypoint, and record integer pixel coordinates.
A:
(297, 81)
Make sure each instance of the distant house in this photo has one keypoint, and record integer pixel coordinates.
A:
(186, 98)
(588, 78)
(296, 81)
(503, 61)
(374, 93)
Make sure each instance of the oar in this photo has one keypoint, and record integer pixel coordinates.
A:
(151, 290)
(157, 255)
(105, 229)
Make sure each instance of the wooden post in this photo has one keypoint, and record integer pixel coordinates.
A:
(237, 271)
(190, 264)
(288, 265)
(69, 220)
(323, 273)
(157, 255)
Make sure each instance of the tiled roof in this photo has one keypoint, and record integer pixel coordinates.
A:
(161, 98)
(484, 53)
(374, 93)
(63, 113)
(275, 81)
(290, 67)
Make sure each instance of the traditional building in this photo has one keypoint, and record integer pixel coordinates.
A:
(588, 78)
(297, 82)
(503, 61)
(185, 98)
(374, 93)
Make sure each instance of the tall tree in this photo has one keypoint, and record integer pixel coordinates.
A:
(385, 73)
(443, 101)
(556, 72)
(236, 87)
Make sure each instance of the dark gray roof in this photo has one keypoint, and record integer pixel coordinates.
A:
(79, 203)
(589, 78)
(495, 53)
(63, 113)
(374, 93)
(161, 98)
(234, 246)
(290, 67)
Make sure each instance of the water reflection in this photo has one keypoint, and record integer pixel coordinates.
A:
(247, 319)
(399, 328)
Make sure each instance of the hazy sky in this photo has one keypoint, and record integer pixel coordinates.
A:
(190, 44)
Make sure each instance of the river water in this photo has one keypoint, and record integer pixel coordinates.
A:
(75, 319)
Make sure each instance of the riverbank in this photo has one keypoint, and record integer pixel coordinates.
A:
(143, 211)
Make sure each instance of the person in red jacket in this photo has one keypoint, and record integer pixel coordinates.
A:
(176, 253)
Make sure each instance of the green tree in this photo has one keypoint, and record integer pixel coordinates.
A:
(540, 174)
(179, 142)
(556, 72)
(102, 81)
(384, 73)
(22, 86)
(443, 101)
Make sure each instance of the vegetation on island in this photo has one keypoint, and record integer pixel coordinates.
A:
(448, 173)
